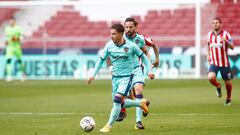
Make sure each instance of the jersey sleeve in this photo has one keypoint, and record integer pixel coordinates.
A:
(137, 50)
(105, 53)
(228, 37)
(100, 61)
(148, 41)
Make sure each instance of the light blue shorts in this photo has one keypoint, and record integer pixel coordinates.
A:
(138, 76)
(121, 85)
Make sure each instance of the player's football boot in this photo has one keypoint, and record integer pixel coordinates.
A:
(106, 128)
(122, 115)
(139, 125)
(219, 92)
(228, 102)
(144, 106)
(145, 114)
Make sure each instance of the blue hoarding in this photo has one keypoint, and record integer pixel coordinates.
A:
(80, 66)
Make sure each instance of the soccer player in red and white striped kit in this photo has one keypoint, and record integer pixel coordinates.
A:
(219, 41)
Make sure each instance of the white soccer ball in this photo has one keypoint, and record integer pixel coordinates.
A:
(87, 123)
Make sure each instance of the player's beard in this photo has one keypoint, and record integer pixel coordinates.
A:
(130, 34)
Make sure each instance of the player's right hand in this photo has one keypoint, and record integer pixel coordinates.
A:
(90, 79)
(155, 64)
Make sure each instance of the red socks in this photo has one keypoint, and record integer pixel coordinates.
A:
(123, 110)
(214, 82)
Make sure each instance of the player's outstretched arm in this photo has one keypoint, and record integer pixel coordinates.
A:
(96, 69)
(156, 53)
(148, 65)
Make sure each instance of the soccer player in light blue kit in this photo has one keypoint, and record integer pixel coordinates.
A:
(142, 42)
(123, 55)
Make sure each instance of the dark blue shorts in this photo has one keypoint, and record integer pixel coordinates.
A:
(225, 71)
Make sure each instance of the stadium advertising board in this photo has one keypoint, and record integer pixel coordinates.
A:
(79, 66)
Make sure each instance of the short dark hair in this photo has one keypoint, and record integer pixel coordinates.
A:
(217, 18)
(130, 19)
(119, 27)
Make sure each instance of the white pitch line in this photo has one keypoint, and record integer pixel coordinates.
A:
(92, 114)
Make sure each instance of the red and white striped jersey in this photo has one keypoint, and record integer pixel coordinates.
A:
(218, 48)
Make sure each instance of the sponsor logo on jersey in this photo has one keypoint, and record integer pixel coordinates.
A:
(137, 41)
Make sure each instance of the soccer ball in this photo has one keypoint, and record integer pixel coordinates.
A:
(87, 123)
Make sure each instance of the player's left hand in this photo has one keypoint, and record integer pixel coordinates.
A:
(90, 79)
(151, 76)
(155, 64)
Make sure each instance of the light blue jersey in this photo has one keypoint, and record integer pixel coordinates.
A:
(137, 39)
(122, 57)
(141, 41)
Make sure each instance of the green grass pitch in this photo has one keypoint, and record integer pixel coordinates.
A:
(178, 107)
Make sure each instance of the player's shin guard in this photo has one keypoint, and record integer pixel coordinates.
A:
(138, 109)
(115, 110)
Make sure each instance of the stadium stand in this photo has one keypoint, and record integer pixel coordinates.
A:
(158, 24)
(6, 14)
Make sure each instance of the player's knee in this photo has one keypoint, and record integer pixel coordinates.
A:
(118, 99)
(9, 61)
(211, 76)
(138, 88)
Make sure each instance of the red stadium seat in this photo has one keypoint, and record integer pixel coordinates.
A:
(6, 14)
(177, 22)
(228, 1)
(215, 1)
